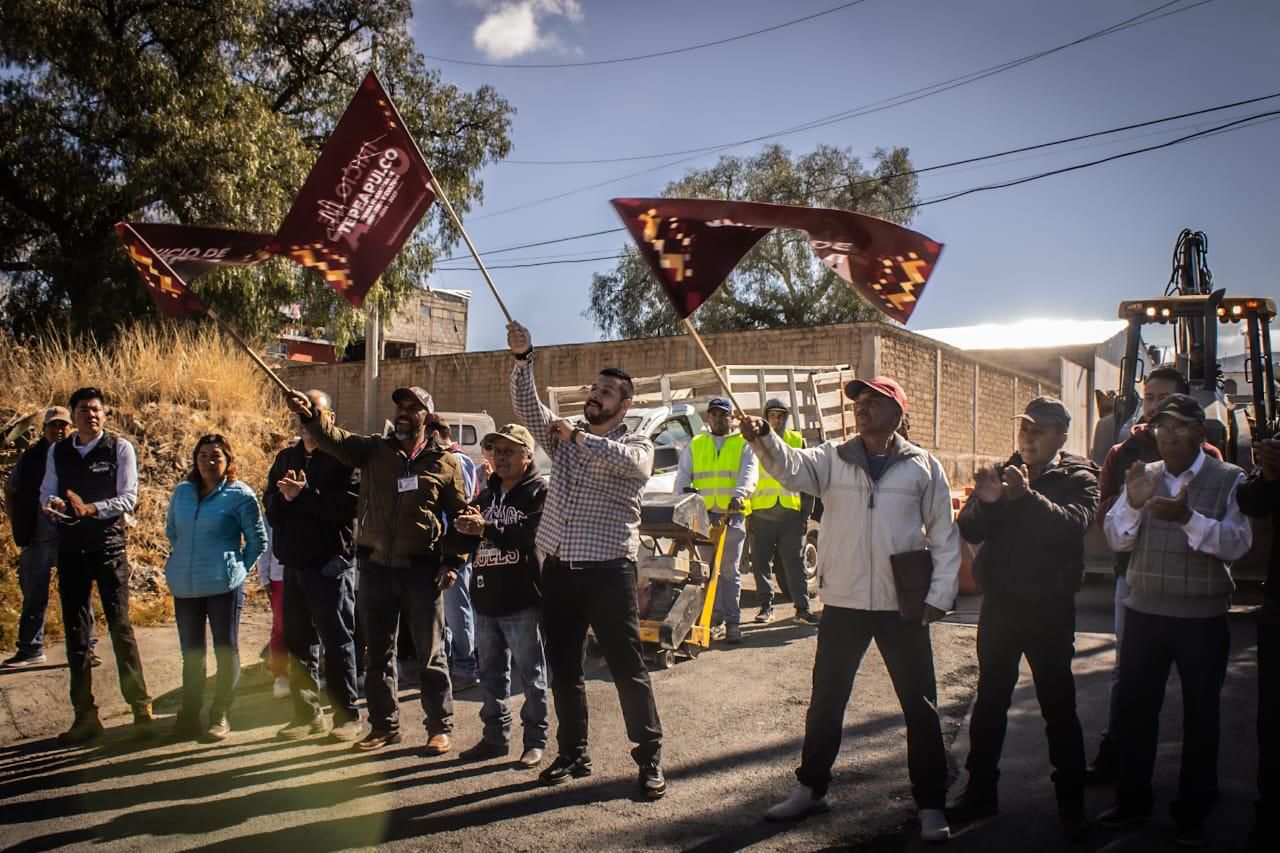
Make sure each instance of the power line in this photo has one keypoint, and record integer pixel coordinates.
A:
(879, 106)
(1235, 124)
(660, 53)
(1146, 17)
(937, 166)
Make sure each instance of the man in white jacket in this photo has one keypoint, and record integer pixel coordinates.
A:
(882, 496)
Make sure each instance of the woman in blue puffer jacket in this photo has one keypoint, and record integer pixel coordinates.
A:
(215, 534)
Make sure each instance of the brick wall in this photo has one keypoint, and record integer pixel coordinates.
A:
(942, 403)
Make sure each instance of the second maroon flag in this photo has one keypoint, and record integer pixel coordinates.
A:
(692, 245)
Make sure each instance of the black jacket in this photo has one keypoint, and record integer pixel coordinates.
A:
(1033, 548)
(319, 523)
(1259, 498)
(26, 483)
(507, 575)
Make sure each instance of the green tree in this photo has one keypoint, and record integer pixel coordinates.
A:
(204, 113)
(780, 282)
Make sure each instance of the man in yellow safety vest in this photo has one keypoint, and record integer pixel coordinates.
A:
(779, 519)
(720, 467)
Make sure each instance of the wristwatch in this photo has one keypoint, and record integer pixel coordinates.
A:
(573, 436)
(524, 356)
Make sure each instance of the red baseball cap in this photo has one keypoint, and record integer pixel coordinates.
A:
(883, 386)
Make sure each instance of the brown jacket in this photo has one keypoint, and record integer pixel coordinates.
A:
(399, 529)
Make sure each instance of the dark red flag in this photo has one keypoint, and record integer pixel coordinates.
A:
(693, 244)
(363, 198)
(166, 287)
(194, 249)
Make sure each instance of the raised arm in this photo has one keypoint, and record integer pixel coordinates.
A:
(347, 447)
(524, 390)
(805, 470)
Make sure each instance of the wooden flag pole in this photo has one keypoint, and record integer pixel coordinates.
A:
(271, 374)
(697, 339)
(444, 199)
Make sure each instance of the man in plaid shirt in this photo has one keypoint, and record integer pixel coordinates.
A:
(589, 534)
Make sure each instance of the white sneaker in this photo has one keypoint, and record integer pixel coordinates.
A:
(800, 804)
(280, 689)
(933, 825)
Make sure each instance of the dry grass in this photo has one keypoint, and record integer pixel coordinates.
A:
(165, 388)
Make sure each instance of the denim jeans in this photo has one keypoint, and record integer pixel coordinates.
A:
(380, 596)
(460, 626)
(843, 638)
(35, 570)
(319, 609)
(222, 614)
(78, 571)
(601, 598)
(504, 641)
(729, 585)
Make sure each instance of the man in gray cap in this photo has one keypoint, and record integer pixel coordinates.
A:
(1179, 520)
(407, 480)
(779, 518)
(1030, 515)
(35, 535)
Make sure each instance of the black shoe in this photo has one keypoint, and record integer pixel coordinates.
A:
(1123, 817)
(484, 750)
(563, 768)
(1105, 769)
(1190, 832)
(975, 803)
(808, 617)
(1075, 826)
(653, 785)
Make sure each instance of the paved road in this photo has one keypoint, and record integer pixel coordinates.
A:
(733, 720)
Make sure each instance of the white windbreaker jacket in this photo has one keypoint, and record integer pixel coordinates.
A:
(866, 521)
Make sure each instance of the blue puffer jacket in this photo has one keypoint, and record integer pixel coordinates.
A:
(206, 557)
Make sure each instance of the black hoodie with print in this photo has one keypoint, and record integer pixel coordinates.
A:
(507, 576)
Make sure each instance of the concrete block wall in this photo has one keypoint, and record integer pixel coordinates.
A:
(939, 380)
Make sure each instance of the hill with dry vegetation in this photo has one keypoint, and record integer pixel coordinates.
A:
(165, 388)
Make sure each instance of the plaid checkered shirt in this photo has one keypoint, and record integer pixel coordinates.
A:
(593, 504)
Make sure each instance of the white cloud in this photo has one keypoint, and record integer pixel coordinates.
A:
(517, 28)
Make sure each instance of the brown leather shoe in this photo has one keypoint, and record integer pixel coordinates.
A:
(438, 745)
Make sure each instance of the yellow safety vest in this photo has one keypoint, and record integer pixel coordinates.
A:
(715, 475)
(769, 491)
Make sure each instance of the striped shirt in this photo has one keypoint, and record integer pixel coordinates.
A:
(592, 510)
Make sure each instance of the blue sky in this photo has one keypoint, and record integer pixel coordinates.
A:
(1068, 246)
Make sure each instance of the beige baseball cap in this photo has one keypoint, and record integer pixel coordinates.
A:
(56, 413)
(513, 433)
